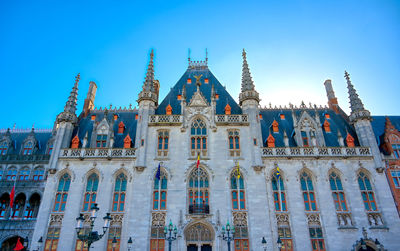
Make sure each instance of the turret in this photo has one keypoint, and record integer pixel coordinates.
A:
(332, 100)
(361, 119)
(89, 101)
(149, 89)
(248, 92)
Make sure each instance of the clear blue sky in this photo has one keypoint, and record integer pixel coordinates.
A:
(292, 46)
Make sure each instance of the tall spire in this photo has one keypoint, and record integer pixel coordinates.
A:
(148, 84)
(247, 82)
(356, 105)
(248, 91)
(68, 115)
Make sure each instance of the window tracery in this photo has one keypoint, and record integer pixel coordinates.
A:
(198, 140)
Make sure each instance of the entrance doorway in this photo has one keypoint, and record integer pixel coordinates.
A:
(199, 237)
(194, 247)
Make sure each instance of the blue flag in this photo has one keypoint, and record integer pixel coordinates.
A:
(158, 174)
(278, 174)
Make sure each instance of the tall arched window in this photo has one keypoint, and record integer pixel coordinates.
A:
(278, 193)
(339, 197)
(18, 207)
(11, 174)
(91, 192)
(32, 207)
(198, 140)
(367, 193)
(3, 147)
(38, 174)
(62, 193)
(307, 187)
(160, 191)
(119, 193)
(198, 192)
(4, 204)
(237, 191)
(24, 174)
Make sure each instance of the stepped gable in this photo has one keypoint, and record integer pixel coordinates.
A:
(18, 137)
(337, 122)
(191, 72)
(128, 117)
(378, 126)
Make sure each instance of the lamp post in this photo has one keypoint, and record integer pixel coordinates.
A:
(264, 243)
(91, 236)
(169, 237)
(229, 234)
(39, 243)
(279, 243)
(130, 243)
(26, 243)
(114, 243)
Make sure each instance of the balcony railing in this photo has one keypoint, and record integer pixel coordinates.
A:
(165, 119)
(19, 158)
(231, 119)
(199, 209)
(316, 152)
(90, 153)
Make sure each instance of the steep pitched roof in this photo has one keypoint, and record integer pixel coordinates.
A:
(378, 126)
(205, 88)
(18, 138)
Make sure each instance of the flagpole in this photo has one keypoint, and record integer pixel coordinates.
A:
(238, 184)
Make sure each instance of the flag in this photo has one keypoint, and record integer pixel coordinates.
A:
(238, 170)
(158, 174)
(12, 196)
(198, 160)
(278, 174)
(19, 246)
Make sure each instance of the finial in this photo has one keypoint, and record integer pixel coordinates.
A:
(206, 55)
(356, 104)
(189, 55)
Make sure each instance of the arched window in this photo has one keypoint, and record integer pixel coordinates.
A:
(163, 142)
(32, 207)
(38, 174)
(198, 192)
(18, 207)
(62, 193)
(4, 204)
(160, 191)
(11, 174)
(24, 174)
(366, 192)
(237, 191)
(339, 197)
(234, 142)
(119, 194)
(28, 148)
(307, 187)
(3, 148)
(198, 132)
(91, 192)
(53, 234)
(278, 193)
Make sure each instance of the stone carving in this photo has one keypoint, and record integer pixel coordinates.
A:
(56, 219)
(158, 219)
(198, 100)
(375, 219)
(313, 219)
(117, 219)
(344, 219)
(240, 219)
(282, 219)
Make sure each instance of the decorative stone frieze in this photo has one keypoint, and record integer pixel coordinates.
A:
(158, 219)
(240, 218)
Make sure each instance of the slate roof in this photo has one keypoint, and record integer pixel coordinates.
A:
(337, 122)
(17, 138)
(378, 126)
(224, 96)
(128, 117)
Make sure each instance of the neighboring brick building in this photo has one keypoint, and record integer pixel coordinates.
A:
(312, 176)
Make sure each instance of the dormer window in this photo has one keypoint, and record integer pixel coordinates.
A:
(327, 126)
(101, 140)
(27, 148)
(93, 118)
(282, 116)
(228, 109)
(3, 148)
(121, 127)
(24, 174)
(206, 81)
(11, 174)
(168, 110)
(38, 174)
(189, 81)
(275, 127)
(304, 138)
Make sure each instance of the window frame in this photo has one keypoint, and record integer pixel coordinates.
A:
(119, 193)
(309, 197)
(62, 194)
(367, 192)
(90, 195)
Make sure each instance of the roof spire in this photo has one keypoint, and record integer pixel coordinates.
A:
(68, 115)
(148, 84)
(248, 90)
(356, 105)
(206, 56)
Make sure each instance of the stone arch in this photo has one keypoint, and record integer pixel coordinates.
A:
(91, 171)
(199, 116)
(34, 203)
(122, 170)
(198, 191)
(234, 168)
(201, 165)
(335, 170)
(199, 232)
(309, 173)
(68, 171)
(9, 241)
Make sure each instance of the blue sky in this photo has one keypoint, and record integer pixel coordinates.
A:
(292, 46)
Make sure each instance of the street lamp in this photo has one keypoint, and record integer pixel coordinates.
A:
(229, 234)
(114, 243)
(363, 244)
(130, 243)
(26, 243)
(39, 243)
(169, 237)
(91, 236)
(279, 243)
(264, 243)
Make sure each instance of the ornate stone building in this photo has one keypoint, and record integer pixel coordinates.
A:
(312, 176)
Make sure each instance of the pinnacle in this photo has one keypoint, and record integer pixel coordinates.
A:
(148, 82)
(355, 102)
(247, 82)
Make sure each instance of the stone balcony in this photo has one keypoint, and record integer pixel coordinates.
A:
(98, 153)
(316, 152)
(23, 184)
(165, 120)
(19, 158)
(233, 119)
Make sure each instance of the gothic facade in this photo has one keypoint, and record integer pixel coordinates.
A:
(311, 176)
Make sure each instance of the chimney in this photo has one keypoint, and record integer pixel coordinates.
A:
(89, 101)
(332, 100)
